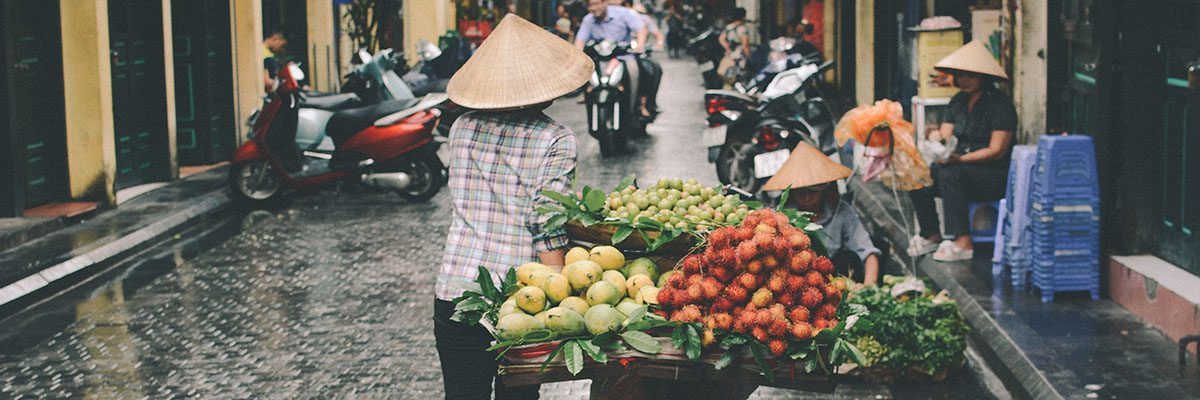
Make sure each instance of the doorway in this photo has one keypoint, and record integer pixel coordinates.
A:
(139, 92)
(205, 129)
(34, 125)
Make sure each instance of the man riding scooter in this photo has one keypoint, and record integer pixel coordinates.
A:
(617, 24)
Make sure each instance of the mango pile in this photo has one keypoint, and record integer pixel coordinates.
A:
(761, 279)
(592, 294)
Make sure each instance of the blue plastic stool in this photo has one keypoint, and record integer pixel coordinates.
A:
(983, 235)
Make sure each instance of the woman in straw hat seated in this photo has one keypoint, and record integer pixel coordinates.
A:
(811, 179)
(503, 154)
(984, 121)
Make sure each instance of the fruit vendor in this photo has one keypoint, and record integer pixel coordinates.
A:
(502, 156)
(983, 120)
(812, 179)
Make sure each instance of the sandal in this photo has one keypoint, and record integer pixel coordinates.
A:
(919, 246)
(950, 252)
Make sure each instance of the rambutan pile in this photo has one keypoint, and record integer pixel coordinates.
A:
(760, 278)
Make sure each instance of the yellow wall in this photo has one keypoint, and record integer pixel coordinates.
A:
(426, 19)
(864, 72)
(87, 84)
(246, 25)
(322, 60)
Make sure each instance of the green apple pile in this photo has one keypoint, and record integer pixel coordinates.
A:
(592, 294)
(677, 203)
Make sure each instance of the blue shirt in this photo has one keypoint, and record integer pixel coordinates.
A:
(843, 230)
(619, 25)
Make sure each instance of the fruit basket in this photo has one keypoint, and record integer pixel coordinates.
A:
(602, 234)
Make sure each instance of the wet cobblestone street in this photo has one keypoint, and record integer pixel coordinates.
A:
(329, 297)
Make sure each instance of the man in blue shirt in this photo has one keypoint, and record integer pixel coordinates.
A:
(618, 24)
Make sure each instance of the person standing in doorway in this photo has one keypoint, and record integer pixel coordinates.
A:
(502, 156)
(274, 56)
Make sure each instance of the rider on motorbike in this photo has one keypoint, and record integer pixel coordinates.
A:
(618, 24)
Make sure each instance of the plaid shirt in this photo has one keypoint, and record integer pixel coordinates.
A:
(499, 163)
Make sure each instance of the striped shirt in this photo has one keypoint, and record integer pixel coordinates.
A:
(499, 165)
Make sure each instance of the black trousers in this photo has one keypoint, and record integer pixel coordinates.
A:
(468, 370)
(958, 185)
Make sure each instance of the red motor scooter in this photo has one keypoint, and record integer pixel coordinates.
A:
(389, 146)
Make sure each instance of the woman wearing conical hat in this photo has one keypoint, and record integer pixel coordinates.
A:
(502, 156)
(811, 179)
(984, 122)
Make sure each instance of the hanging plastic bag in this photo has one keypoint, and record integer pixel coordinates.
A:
(889, 150)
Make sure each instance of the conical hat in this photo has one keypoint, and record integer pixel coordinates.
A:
(520, 64)
(972, 57)
(806, 167)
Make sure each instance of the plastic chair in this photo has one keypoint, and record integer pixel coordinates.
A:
(988, 234)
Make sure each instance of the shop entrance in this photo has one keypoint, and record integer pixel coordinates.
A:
(34, 126)
(139, 110)
(205, 129)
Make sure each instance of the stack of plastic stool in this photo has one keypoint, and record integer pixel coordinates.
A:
(1064, 213)
(983, 235)
(1016, 227)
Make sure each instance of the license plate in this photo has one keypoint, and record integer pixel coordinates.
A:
(714, 136)
(767, 164)
(706, 66)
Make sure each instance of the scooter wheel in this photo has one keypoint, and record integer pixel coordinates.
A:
(255, 182)
(428, 175)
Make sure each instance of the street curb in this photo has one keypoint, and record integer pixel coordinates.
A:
(125, 245)
(1006, 358)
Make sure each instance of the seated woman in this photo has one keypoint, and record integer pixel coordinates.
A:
(984, 121)
(811, 179)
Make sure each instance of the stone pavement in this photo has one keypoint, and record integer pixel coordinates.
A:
(330, 297)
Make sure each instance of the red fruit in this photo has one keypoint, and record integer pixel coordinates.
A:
(720, 238)
(761, 297)
(799, 240)
(822, 263)
(690, 313)
(759, 334)
(740, 326)
(832, 294)
(798, 314)
(811, 298)
(763, 242)
(763, 318)
(694, 280)
(779, 328)
(770, 262)
(802, 330)
(776, 284)
(781, 219)
(778, 311)
(782, 248)
(752, 220)
(747, 317)
(691, 264)
(764, 229)
(826, 311)
(694, 293)
(743, 234)
(736, 294)
(664, 296)
(801, 261)
(676, 280)
(754, 266)
(777, 347)
(787, 299)
(680, 298)
(748, 280)
(746, 251)
(720, 258)
(824, 323)
(722, 304)
(721, 273)
(814, 278)
(722, 321)
(660, 312)
(711, 288)
(794, 283)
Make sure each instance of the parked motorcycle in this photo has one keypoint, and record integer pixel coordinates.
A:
(611, 119)
(707, 51)
(388, 145)
(750, 136)
(431, 74)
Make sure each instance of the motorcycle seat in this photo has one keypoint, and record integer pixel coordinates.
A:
(732, 93)
(346, 123)
(331, 102)
(429, 101)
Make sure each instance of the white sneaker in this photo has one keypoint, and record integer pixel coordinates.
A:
(950, 252)
(919, 246)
